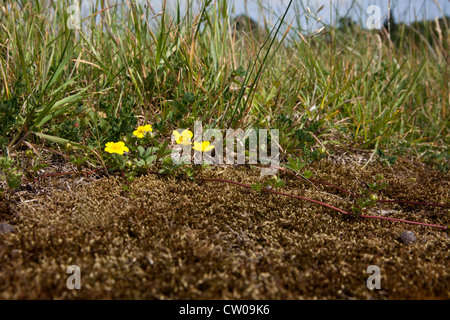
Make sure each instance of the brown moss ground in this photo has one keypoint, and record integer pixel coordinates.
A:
(171, 238)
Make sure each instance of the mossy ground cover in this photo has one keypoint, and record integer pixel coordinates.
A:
(168, 237)
(347, 101)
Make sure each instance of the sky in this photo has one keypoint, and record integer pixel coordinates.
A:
(402, 10)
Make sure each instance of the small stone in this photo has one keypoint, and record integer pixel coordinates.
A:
(387, 212)
(6, 228)
(408, 237)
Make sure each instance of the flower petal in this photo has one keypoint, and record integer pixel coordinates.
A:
(176, 135)
(147, 128)
(208, 148)
(187, 134)
(116, 147)
(197, 146)
(138, 133)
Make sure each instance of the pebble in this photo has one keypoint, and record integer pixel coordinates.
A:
(408, 237)
(6, 228)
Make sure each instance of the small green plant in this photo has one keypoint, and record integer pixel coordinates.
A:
(146, 157)
(10, 173)
(376, 187)
(68, 129)
(362, 205)
(30, 173)
(369, 196)
(9, 113)
(384, 158)
(270, 184)
(295, 164)
(78, 161)
(257, 186)
(275, 182)
(168, 167)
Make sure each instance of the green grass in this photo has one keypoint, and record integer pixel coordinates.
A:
(118, 71)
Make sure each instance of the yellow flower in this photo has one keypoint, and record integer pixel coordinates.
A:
(204, 146)
(140, 131)
(116, 147)
(184, 137)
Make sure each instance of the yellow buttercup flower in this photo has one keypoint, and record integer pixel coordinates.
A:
(140, 131)
(205, 146)
(116, 147)
(183, 138)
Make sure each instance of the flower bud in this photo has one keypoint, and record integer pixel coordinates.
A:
(126, 139)
(69, 146)
(29, 153)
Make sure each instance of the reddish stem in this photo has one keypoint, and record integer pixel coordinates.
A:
(332, 185)
(288, 195)
(406, 221)
(277, 192)
(63, 173)
(414, 202)
(356, 196)
(327, 205)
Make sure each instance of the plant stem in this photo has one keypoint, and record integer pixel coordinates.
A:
(327, 205)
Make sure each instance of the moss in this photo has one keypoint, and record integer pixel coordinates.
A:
(171, 238)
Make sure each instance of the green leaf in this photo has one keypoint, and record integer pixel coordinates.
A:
(39, 167)
(140, 163)
(61, 140)
(295, 164)
(257, 186)
(141, 152)
(150, 160)
(307, 174)
(278, 183)
(44, 115)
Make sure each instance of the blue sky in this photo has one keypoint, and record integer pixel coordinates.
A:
(401, 10)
